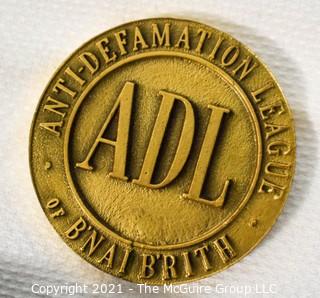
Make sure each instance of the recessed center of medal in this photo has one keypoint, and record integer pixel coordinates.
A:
(164, 150)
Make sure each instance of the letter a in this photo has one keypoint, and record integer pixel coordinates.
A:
(124, 104)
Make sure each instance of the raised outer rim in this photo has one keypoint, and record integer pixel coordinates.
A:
(293, 166)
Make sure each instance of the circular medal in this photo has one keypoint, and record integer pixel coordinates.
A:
(162, 151)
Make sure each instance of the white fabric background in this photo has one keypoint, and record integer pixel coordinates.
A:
(36, 37)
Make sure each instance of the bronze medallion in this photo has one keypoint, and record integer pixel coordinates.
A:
(162, 151)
